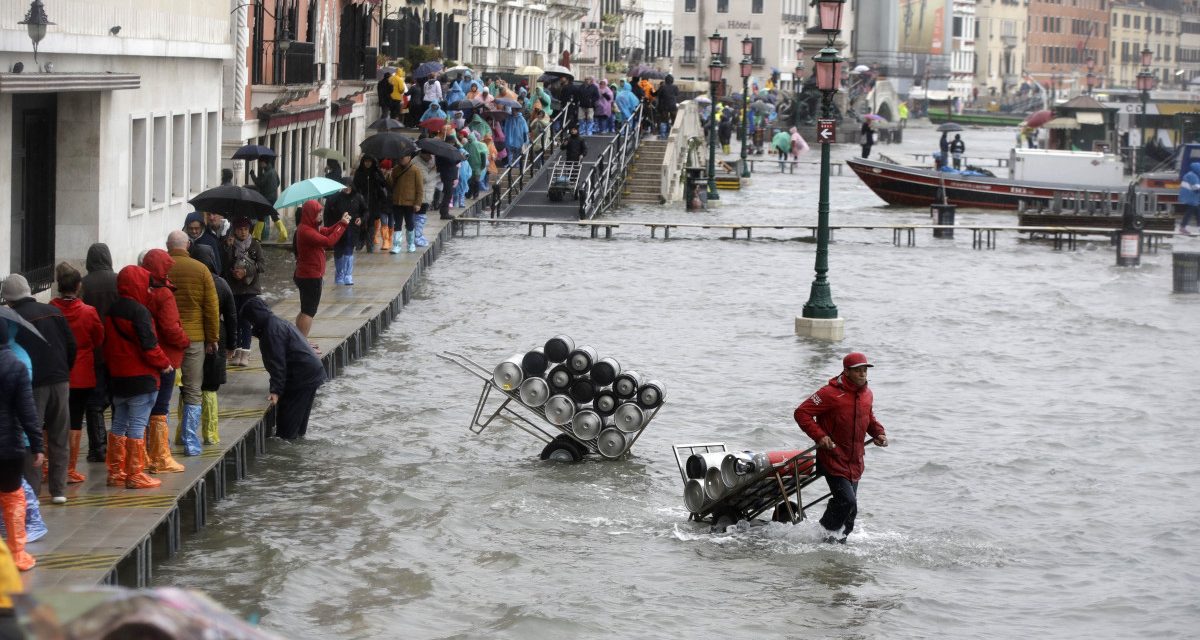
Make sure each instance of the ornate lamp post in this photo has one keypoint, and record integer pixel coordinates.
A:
(747, 67)
(35, 23)
(716, 69)
(820, 305)
(1091, 75)
(1145, 82)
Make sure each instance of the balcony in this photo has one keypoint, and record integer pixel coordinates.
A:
(795, 17)
(758, 61)
(689, 57)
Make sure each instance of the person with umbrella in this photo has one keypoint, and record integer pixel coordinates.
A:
(348, 201)
(408, 191)
(370, 183)
(244, 255)
(866, 138)
(18, 416)
(266, 182)
(957, 148)
(311, 242)
(944, 148)
(383, 90)
(295, 371)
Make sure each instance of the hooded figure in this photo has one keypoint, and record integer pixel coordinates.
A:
(668, 105)
(516, 134)
(214, 363)
(99, 291)
(311, 242)
(434, 111)
(626, 102)
(173, 341)
(480, 126)
(1189, 197)
(295, 371)
(604, 107)
(799, 146)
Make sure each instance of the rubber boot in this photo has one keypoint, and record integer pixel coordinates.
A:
(13, 505)
(35, 527)
(73, 476)
(386, 231)
(419, 228)
(135, 465)
(115, 460)
(209, 417)
(191, 430)
(257, 230)
(283, 232)
(412, 245)
(350, 269)
(158, 447)
(374, 240)
(96, 433)
(397, 242)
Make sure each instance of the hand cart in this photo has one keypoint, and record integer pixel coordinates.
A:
(561, 443)
(758, 492)
(564, 180)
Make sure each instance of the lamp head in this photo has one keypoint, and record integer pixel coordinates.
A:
(285, 43)
(829, 70)
(1147, 57)
(747, 68)
(715, 44)
(35, 21)
(829, 15)
(747, 47)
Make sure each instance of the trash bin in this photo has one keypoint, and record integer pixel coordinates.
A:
(942, 214)
(695, 189)
(1187, 271)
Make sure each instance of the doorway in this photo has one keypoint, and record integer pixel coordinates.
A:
(34, 165)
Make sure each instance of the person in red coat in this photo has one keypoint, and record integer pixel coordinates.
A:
(89, 338)
(174, 341)
(838, 417)
(311, 242)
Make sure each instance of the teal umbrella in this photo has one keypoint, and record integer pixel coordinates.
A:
(307, 190)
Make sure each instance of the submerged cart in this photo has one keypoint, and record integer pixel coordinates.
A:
(564, 180)
(562, 443)
(711, 499)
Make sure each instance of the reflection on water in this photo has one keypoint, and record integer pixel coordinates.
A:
(1038, 481)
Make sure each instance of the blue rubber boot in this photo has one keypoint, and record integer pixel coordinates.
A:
(419, 227)
(35, 527)
(190, 429)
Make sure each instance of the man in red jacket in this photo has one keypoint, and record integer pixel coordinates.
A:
(838, 417)
(311, 242)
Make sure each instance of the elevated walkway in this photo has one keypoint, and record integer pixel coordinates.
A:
(534, 201)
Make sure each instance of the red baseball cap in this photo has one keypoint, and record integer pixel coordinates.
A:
(855, 359)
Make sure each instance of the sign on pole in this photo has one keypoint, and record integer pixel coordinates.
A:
(826, 131)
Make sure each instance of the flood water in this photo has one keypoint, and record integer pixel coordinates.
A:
(1040, 482)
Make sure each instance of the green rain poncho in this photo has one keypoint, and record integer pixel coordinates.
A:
(782, 142)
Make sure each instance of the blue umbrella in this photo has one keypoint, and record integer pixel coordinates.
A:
(253, 152)
(307, 190)
(426, 69)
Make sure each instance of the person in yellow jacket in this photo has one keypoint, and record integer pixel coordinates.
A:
(399, 94)
(200, 315)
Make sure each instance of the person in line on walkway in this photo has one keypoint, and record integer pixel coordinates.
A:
(516, 136)
(397, 95)
(838, 417)
(54, 356)
(464, 180)
(866, 138)
(477, 157)
(604, 107)
(493, 170)
(957, 148)
(371, 184)
(448, 172)
(99, 291)
(18, 423)
(214, 362)
(246, 263)
(414, 100)
(434, 110)
(200, 315)
(383, 93)
(311, 242)
(333, 169)
(430, 184)
(799, 146)
(173, 341)
(200, 234)
(539, 125)
(626, 102)
(944, 148)
(781, 142)
(136, 363)
(575, 147)
(295, 371)
(346, 201)
(266, 182)
(1189, 197)
(588, 95)
(433, 90)
(668, 106)
(902, 111)
(226, 177)
(35, 527)
(89, 338)
(408, 191)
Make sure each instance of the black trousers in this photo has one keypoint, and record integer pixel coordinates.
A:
(77, 405)
(292, 411)
(11, 470)
(447, 196)
(842, 506)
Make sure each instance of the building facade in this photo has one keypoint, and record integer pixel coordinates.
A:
(1187, 54)
(658, 19)
(111, 130)
(1062, 36)
(1156, 25)
(962, 49)
(999, 46)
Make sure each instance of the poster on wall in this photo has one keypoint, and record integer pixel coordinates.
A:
(921, 24)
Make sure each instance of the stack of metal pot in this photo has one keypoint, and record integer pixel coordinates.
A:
(715, 475)
(574, 388)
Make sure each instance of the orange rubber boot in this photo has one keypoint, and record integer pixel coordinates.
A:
(158, 447)
(13, 505)
(73, 476)
(135, 464)
(114, 458)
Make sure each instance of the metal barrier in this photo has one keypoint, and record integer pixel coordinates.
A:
(602, 186)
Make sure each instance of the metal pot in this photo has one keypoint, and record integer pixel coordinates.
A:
(534, 392)
(651, 394)
(560, 409)
(605, 402)
(713, 487)
(586, 424)
(629, 417)
(734, 467)
(534, 363)
(693, 496)
(582, 359)
(611, 443)
(508, 374)
(626, 384)
(698, 464)
(559, 378)
(605, 371)
(558, 348)
(581, 390)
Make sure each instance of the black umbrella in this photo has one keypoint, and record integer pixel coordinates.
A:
(253, 152)
(233, 202)
(440, 148)
(385, 124)
(426, 69)
(949, 126)
(498, 116)
(24, 325)
(465, 105)
(388, 144)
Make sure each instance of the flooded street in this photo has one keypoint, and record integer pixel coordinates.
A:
(1040, 481)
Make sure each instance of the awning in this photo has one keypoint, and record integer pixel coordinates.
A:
(1062, 123)
(67, 82)
(1089, 117)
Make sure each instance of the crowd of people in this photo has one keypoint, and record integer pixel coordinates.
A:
(124, 339)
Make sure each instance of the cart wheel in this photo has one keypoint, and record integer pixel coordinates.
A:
(562, 449)
(781, 513)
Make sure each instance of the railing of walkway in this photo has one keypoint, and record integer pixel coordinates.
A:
(511, 183)
(603, 184)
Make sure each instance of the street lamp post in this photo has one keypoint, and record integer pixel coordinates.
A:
(820, 316)
(747, 67)
(715, 70)
(1145, 82)
(797, 81)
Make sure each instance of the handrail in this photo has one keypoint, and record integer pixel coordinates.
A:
(527, 168)
(603, 184)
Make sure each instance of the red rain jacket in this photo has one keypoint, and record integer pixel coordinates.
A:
(843, 412)
(171, 337)
(131, 349)
(89, 335)
(312, 240)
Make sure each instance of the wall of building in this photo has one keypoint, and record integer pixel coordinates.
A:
(1000, 47)
(1062, 34)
